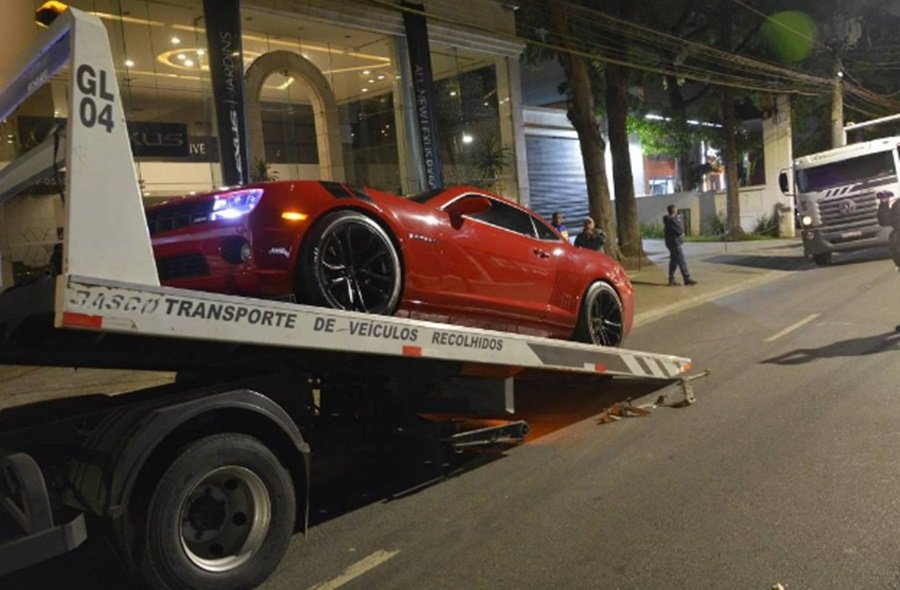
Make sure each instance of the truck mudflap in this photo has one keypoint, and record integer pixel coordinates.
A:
(32, 536)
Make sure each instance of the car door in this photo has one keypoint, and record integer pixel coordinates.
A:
(496, 267)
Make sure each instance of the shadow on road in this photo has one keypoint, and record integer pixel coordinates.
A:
(350, 472)
(785, 263)
(887, 342)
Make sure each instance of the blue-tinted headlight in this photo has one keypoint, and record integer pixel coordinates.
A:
(235, 204)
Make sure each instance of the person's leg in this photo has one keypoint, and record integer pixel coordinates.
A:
(673, 262)
(682, 266)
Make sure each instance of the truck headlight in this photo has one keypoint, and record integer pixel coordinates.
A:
(807, 220)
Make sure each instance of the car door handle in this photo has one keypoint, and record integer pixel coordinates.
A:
(541, 253)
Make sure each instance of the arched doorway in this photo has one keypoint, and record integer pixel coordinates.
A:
(325, 110)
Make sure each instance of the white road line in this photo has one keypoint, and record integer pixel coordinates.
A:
(793, 327)
(356, 570)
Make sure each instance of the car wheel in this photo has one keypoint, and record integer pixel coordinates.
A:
(351, 263)
(822, 259)
(220, 517)
(601, 319)
(894, 247)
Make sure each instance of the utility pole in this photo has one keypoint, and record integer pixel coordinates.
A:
(838, 138)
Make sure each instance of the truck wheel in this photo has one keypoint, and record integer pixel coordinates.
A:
(220, 518)
(600, 321)
(822, 259)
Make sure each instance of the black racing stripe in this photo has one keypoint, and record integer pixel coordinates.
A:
(361, 194)
(340, 191)
(336, 189)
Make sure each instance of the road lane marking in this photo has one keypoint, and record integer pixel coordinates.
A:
(793, 327)
(356, 570)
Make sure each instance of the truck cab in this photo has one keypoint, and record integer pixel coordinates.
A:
(837, 194)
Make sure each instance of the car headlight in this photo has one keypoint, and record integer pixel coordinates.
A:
(235, 204)
(807, 220)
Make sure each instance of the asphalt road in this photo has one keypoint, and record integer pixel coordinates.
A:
(785, 471)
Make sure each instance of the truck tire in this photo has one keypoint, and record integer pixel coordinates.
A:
(220, 517)
(822, 259)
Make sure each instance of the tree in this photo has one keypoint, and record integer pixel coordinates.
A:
(617, 80)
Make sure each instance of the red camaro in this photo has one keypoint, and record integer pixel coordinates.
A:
(458, 255)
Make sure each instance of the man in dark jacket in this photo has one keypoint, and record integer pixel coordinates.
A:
(591, 237)
(674, 233)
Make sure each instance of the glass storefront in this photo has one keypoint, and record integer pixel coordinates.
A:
(159, 48)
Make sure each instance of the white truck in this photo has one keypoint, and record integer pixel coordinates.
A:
(201, 484)
(837, 194)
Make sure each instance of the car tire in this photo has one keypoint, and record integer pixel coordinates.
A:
(220, 517)
(601, 319)
(351, 263)
(894, 247)
(822, 259)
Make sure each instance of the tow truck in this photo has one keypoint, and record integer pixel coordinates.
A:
(200, 484)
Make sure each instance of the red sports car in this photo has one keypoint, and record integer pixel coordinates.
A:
(458, 255)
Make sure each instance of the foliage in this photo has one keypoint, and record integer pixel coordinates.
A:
(767, 225)
(261, 171)
(653, 231)
(493, 158)
(717, 225)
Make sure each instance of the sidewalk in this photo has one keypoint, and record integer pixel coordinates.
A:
(719, 268)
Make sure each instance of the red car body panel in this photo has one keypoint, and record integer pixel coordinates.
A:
(464, 271)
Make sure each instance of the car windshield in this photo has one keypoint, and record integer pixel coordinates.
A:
(868, 167)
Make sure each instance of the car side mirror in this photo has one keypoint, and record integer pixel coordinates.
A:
(467, 206)
(783, 183)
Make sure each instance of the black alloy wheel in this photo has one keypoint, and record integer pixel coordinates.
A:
(352, 264)
(601, 319)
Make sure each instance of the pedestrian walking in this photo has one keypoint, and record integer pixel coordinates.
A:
(557, 222)
(674, 232)
(591, 236)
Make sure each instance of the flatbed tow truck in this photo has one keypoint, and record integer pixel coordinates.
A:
(201, 484)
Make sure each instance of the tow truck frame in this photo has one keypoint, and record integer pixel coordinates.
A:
(251, 368)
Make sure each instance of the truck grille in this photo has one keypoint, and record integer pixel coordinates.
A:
(173, 217)
(180, 267)
(854, 209)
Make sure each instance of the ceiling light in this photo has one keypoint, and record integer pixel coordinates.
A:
(129, 63)
(371, 81)
(175, 40)
(453, 93)
(365, 89)
(201, 52)
(181, 56)
(189, 63)
(366, 72)
(381, 76)
(466, 138)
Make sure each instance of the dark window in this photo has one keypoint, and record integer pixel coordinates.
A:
(505, 216)
(868, 167)
(543, 231)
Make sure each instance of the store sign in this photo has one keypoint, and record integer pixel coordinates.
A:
(226, 66)
(158, 140)
(423, 89)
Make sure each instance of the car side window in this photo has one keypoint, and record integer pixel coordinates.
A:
(543, 230)
(502, 215)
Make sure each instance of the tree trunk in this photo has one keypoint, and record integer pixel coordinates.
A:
(582, 113)
(733, 198)
(593, 148)
(627, 222)
(729, 125)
